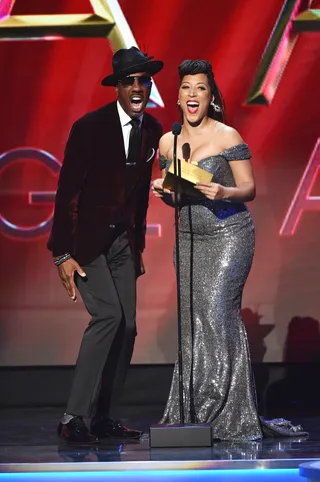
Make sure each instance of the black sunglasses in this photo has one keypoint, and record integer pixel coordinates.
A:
(143, 80)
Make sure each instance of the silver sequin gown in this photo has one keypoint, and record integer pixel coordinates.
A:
(216, 251)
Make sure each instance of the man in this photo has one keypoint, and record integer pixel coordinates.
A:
(97, 238)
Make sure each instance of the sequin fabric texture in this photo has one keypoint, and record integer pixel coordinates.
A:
(216, 251)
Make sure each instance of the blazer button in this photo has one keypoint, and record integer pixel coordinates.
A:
(112, 226)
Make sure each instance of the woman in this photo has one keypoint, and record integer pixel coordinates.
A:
(216, 236)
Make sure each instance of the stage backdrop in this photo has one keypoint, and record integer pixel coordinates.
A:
(45, 85)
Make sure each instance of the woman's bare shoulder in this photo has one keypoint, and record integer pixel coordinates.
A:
(229, 136)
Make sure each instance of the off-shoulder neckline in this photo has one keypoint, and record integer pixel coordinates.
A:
(244, 144)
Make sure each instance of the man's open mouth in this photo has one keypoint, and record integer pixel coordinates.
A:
(136, 103)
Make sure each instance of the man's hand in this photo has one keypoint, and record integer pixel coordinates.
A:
(66, 272)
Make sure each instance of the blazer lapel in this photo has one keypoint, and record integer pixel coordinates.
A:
(144, 138)
(111, 137)
(117, 137)
(147, 147)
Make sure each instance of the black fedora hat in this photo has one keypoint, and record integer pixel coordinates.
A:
(130, 61)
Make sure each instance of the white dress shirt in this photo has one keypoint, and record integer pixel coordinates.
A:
(125, 120)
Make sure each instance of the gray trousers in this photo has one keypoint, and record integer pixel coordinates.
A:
(109, 294)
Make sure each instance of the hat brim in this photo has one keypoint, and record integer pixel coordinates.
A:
(152, 67)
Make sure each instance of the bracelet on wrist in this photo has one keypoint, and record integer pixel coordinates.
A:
(61, 259)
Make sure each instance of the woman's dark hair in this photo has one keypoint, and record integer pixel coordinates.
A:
(193, 67)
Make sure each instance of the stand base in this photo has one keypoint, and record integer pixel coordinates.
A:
(187, 435)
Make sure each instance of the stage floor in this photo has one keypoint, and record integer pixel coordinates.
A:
(29, 444)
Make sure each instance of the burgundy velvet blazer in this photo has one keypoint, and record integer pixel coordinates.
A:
(91, 197)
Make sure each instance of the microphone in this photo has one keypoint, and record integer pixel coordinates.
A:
(176, 128)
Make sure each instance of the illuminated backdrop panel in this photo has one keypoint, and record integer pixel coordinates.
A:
(46, 84)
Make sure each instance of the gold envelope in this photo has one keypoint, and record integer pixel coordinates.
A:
(190, 175)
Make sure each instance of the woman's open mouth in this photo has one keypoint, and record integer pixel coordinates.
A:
(192, 106)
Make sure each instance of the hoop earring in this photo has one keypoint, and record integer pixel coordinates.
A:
(216, 107)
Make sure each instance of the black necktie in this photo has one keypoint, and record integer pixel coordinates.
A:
(134, 143)
(133, 155)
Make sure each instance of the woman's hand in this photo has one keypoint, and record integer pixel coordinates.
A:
(157, 188)
(211, 190)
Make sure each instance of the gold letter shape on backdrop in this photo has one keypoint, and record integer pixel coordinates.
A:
(107, 20)
(303, 200)
(295, 17)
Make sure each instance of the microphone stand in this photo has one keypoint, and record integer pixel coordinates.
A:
(179, 435)
(177, 173)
